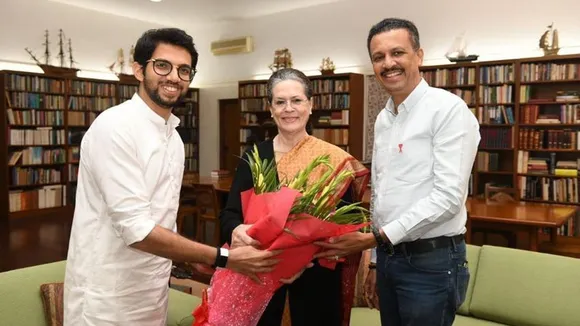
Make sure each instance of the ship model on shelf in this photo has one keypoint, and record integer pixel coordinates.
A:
(458, 51)
(119, 69)
(549, 42)
(282, 59)
(327, 67)
(47, 66)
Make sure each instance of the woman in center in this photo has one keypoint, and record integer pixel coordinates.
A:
(318, 296)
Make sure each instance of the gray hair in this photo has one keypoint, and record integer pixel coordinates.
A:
(289, 74)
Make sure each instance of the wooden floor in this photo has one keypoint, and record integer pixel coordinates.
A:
(38, 242)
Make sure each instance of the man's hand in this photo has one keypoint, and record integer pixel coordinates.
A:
(370, 290)
(346, 244)
(241, 238)
(296, 276)
(248, 260)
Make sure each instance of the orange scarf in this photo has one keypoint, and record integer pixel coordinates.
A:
(297, 159)
(311, 147)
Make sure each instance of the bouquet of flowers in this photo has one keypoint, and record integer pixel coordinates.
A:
(288, 215)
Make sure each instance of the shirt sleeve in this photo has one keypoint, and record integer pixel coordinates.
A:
(455, 141)
(112, 156)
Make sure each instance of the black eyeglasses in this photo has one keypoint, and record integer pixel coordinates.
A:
(163, 68)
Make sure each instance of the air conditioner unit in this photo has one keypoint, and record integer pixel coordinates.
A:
(233, 46)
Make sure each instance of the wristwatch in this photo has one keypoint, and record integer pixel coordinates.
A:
(381, 243)
(221, 259)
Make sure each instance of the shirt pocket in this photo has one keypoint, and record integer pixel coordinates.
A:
(412, 161)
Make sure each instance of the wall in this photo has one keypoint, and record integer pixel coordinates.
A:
(95, 36)
(495, 29)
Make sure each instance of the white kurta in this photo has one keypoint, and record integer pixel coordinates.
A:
(129, 180)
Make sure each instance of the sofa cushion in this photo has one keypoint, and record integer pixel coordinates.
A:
(472, 262)
(181, 307)
(20, 299)
(52, 300)
(471, 321)
(365, 316)
(520, 287)
(372, 317)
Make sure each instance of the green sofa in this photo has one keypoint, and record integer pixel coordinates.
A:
(512, 287)
(507, 287)
(21, 303)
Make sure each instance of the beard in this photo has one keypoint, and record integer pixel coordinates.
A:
(153, 91)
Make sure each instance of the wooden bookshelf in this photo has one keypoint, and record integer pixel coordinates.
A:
(188, 113)
(337, 115)
(43, 119)
(529, 115)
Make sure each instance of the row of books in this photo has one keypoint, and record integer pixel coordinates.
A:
(34, 84)
(35, 118)
(37, 155)
(563, 113)
(25, 100)
(44, 197)
(499, 114)
(563, 190)
(546, 164)
(450, 77)
(549, 139)
(330, 86)
(531, 72)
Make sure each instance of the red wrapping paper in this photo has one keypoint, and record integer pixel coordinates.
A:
(234, 299)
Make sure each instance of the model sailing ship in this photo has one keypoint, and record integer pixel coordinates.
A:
(47, 67)
(282, 59)
(457, 52)
(549, 41)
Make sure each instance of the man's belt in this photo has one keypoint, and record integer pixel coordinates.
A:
(427, 245)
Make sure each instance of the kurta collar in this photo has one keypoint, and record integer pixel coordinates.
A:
(172, 122)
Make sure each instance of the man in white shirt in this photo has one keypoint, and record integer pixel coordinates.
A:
(123, 238)
(425, 144)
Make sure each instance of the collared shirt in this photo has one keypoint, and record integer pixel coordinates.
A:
(129, 180)
(422, 160)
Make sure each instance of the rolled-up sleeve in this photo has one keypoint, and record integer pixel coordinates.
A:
(119, 175)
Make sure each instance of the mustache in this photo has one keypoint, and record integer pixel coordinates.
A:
(393, 69)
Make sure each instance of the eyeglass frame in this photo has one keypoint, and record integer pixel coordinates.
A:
(292, 105)
(192, 75)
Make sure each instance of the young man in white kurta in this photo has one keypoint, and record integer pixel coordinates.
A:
(130, 157)
(123, 237)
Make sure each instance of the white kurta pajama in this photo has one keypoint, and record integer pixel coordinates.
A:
(129, 180)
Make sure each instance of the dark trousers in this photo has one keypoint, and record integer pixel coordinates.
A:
(422, 288)
(315, 299)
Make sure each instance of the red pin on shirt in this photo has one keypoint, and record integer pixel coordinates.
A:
(400, 148)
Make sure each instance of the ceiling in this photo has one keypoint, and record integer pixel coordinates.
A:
(192, 13)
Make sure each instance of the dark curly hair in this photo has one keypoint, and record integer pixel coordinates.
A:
(149, 41)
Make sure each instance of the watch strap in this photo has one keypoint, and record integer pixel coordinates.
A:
(221, 258)
(377, 234)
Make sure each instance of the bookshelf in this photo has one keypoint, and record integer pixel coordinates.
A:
(529, 115)
(43, 119)
(188, 113)
(337, 114)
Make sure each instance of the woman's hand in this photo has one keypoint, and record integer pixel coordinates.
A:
(241, 238)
